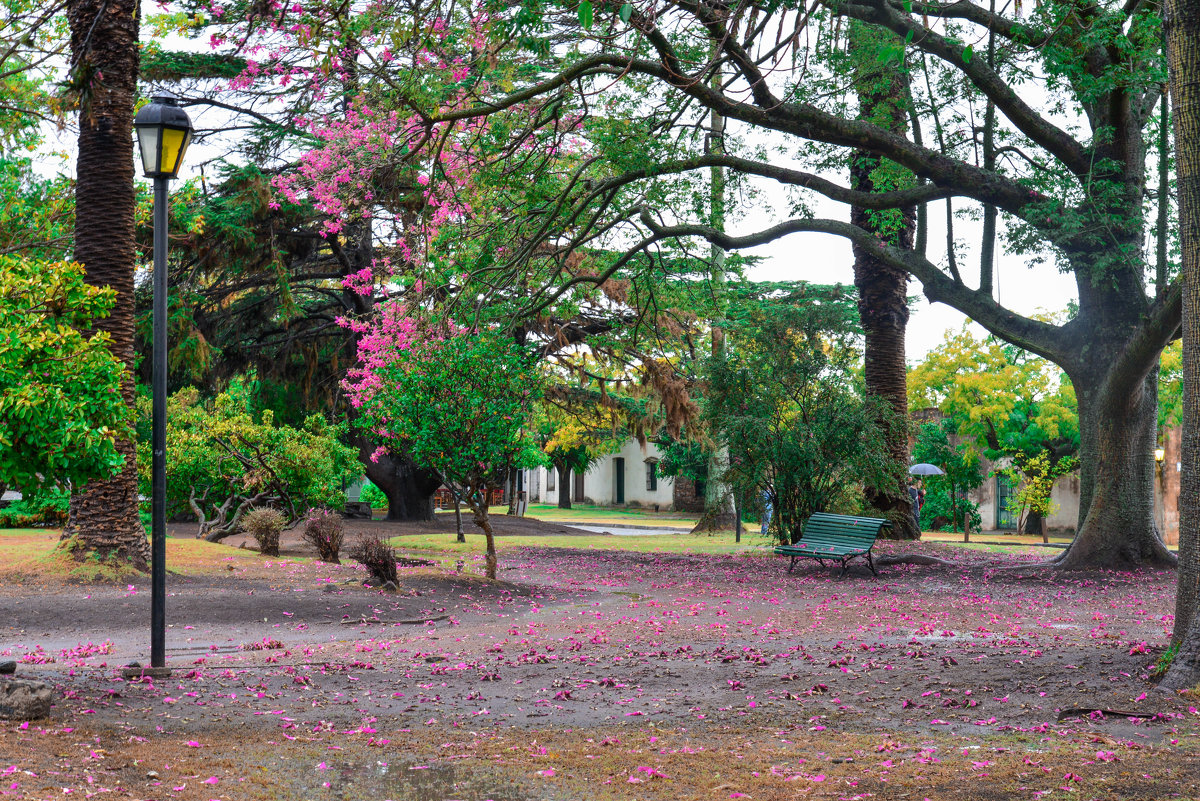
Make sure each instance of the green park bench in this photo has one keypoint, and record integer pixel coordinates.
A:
(836, 538)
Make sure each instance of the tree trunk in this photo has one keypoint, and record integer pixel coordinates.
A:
(512, 491)
(1117, 437)
(883, 289)
(718, 512)
(564, 486)
(481, 520)
(1181, 20)
(409, 488)
(104, 54)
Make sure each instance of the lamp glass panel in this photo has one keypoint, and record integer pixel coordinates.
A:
(187, 140)
(148, 143)
(174, 142)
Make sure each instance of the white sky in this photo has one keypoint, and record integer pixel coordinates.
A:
(827, 259)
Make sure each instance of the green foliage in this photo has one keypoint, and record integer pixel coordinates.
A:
(171, 65)
(946, 495)
(784, 403)
(939, 513)
(683, 458)
(61, 408)
(36, 215)
(575, 440)
(1034, 479)
(1170, 386)
(1165, 659)
(220, 454)
(373, 495)
(265, 525)
(1001, 400)
(460, 406)
(41, 506)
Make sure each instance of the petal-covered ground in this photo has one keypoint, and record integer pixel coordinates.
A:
(597, 674)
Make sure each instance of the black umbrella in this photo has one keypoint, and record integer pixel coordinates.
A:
(925, 469)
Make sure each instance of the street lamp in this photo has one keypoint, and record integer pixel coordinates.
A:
(164, 133)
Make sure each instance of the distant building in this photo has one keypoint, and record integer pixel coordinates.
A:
(629, 477)
(993, 495)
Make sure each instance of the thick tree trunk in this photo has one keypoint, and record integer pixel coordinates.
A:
(1117, 436)
(1182, 24)
(104, 54)
(718, 512)
(409, 488)
(564, 486)
(883, 289)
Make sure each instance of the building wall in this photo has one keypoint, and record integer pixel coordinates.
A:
(1065, 494)
(600, 481)
(1166, 486)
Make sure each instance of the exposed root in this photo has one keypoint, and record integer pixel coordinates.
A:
(914, 559)
(1084, 712)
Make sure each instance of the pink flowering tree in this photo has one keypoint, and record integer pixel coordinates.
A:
(456, 400)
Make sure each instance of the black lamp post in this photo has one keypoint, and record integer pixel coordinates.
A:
(164, 133)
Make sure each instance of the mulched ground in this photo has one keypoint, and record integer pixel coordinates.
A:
(586, 674)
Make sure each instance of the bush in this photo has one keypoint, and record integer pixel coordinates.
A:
(222, 457)
(265, 525)
(935, 514)
(325, 532)
(373, 495)
(41, 507)
(378, 557)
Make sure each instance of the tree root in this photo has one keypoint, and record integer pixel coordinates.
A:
(1083, 712)
(914, 559)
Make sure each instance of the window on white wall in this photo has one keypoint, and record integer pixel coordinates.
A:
(550, 479)
(651, 475)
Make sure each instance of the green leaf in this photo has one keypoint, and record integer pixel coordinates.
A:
(908, 37)
(626, 12)
(968, 52)
(586, 14)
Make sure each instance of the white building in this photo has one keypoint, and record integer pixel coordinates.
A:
(628, 477)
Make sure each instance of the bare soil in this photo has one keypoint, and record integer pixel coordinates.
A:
(614, 674)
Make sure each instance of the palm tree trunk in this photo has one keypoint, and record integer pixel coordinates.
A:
(882, 289)
(104, 65)
(1181, 19)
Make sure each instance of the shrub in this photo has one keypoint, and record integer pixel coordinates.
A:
(41, 507)
(373, 495)
(265, 525)
(325, 532)
(378, 557)
(224, 457)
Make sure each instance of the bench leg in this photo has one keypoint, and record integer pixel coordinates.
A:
(871, 564)
(792, 564)
(843, 568)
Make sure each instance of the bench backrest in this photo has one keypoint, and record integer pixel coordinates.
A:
(843, 530)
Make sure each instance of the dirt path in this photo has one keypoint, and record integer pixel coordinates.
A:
(583, 671)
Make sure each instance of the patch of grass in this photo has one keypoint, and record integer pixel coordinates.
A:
(62, 563)
(34, 555)
(1164, 661)
(661, 543)
(601, 515)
